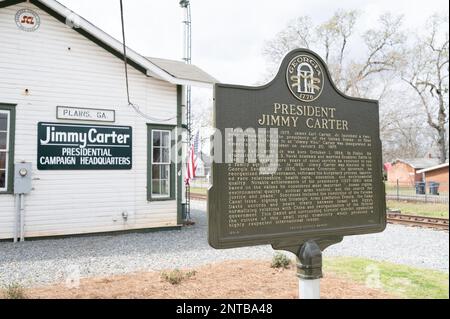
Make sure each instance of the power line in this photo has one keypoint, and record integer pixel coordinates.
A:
(125, 59)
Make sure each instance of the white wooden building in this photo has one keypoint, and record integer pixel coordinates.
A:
(58, 71)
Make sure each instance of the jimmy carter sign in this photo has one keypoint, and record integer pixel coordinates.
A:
(84, 147)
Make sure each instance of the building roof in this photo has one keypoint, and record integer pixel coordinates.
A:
(419, 163)
(182, 70)
(170, 71)
(433, 168)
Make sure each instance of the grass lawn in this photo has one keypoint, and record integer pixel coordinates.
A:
(402, 281)
(391, 189)
(420, 209)
(198, 190)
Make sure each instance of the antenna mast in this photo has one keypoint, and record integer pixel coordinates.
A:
(185, 4)
(187, 47)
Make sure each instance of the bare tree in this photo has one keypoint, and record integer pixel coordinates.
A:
(328, 33)
(360, 61)
(354, 73)
(425, 70)
(202, 114)
(298, 34)
(349, 70)
(382, 54)
(334, 35)
(403, 131)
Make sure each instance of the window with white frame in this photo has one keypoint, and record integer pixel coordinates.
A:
(161, 165)
(4, 148)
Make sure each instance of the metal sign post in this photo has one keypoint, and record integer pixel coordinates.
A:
(309, 289)
(309, 262)
(309, 270)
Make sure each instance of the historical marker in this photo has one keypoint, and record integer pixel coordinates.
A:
(324, 180)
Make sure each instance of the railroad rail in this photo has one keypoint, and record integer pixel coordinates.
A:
(417, 221)
(199, 196)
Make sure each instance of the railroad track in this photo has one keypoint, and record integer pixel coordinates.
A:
(393, 217)
(417, 221)
(199, 197)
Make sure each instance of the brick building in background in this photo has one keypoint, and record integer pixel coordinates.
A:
(405, 171)
(437, 174)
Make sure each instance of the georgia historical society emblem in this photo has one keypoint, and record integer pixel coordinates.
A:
(305, 78)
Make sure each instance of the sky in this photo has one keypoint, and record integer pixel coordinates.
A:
(228, 36)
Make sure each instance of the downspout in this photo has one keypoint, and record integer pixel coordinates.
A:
(22, 217)
(16, 219)
(19, 219)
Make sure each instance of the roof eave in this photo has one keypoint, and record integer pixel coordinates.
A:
(432, 168)
(404, 162)
(186, 82)
(193, 83)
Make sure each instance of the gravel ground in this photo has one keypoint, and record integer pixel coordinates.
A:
(40, 262)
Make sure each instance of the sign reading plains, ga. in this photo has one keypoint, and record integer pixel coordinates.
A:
(85, 114)
(84, 147)
(327, 182)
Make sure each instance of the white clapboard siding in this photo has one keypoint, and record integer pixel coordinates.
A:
(77, 202)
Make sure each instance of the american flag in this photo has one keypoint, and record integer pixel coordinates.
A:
(192, 159)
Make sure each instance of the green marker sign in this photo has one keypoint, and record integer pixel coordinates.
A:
(301, 161)
(84, 147)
